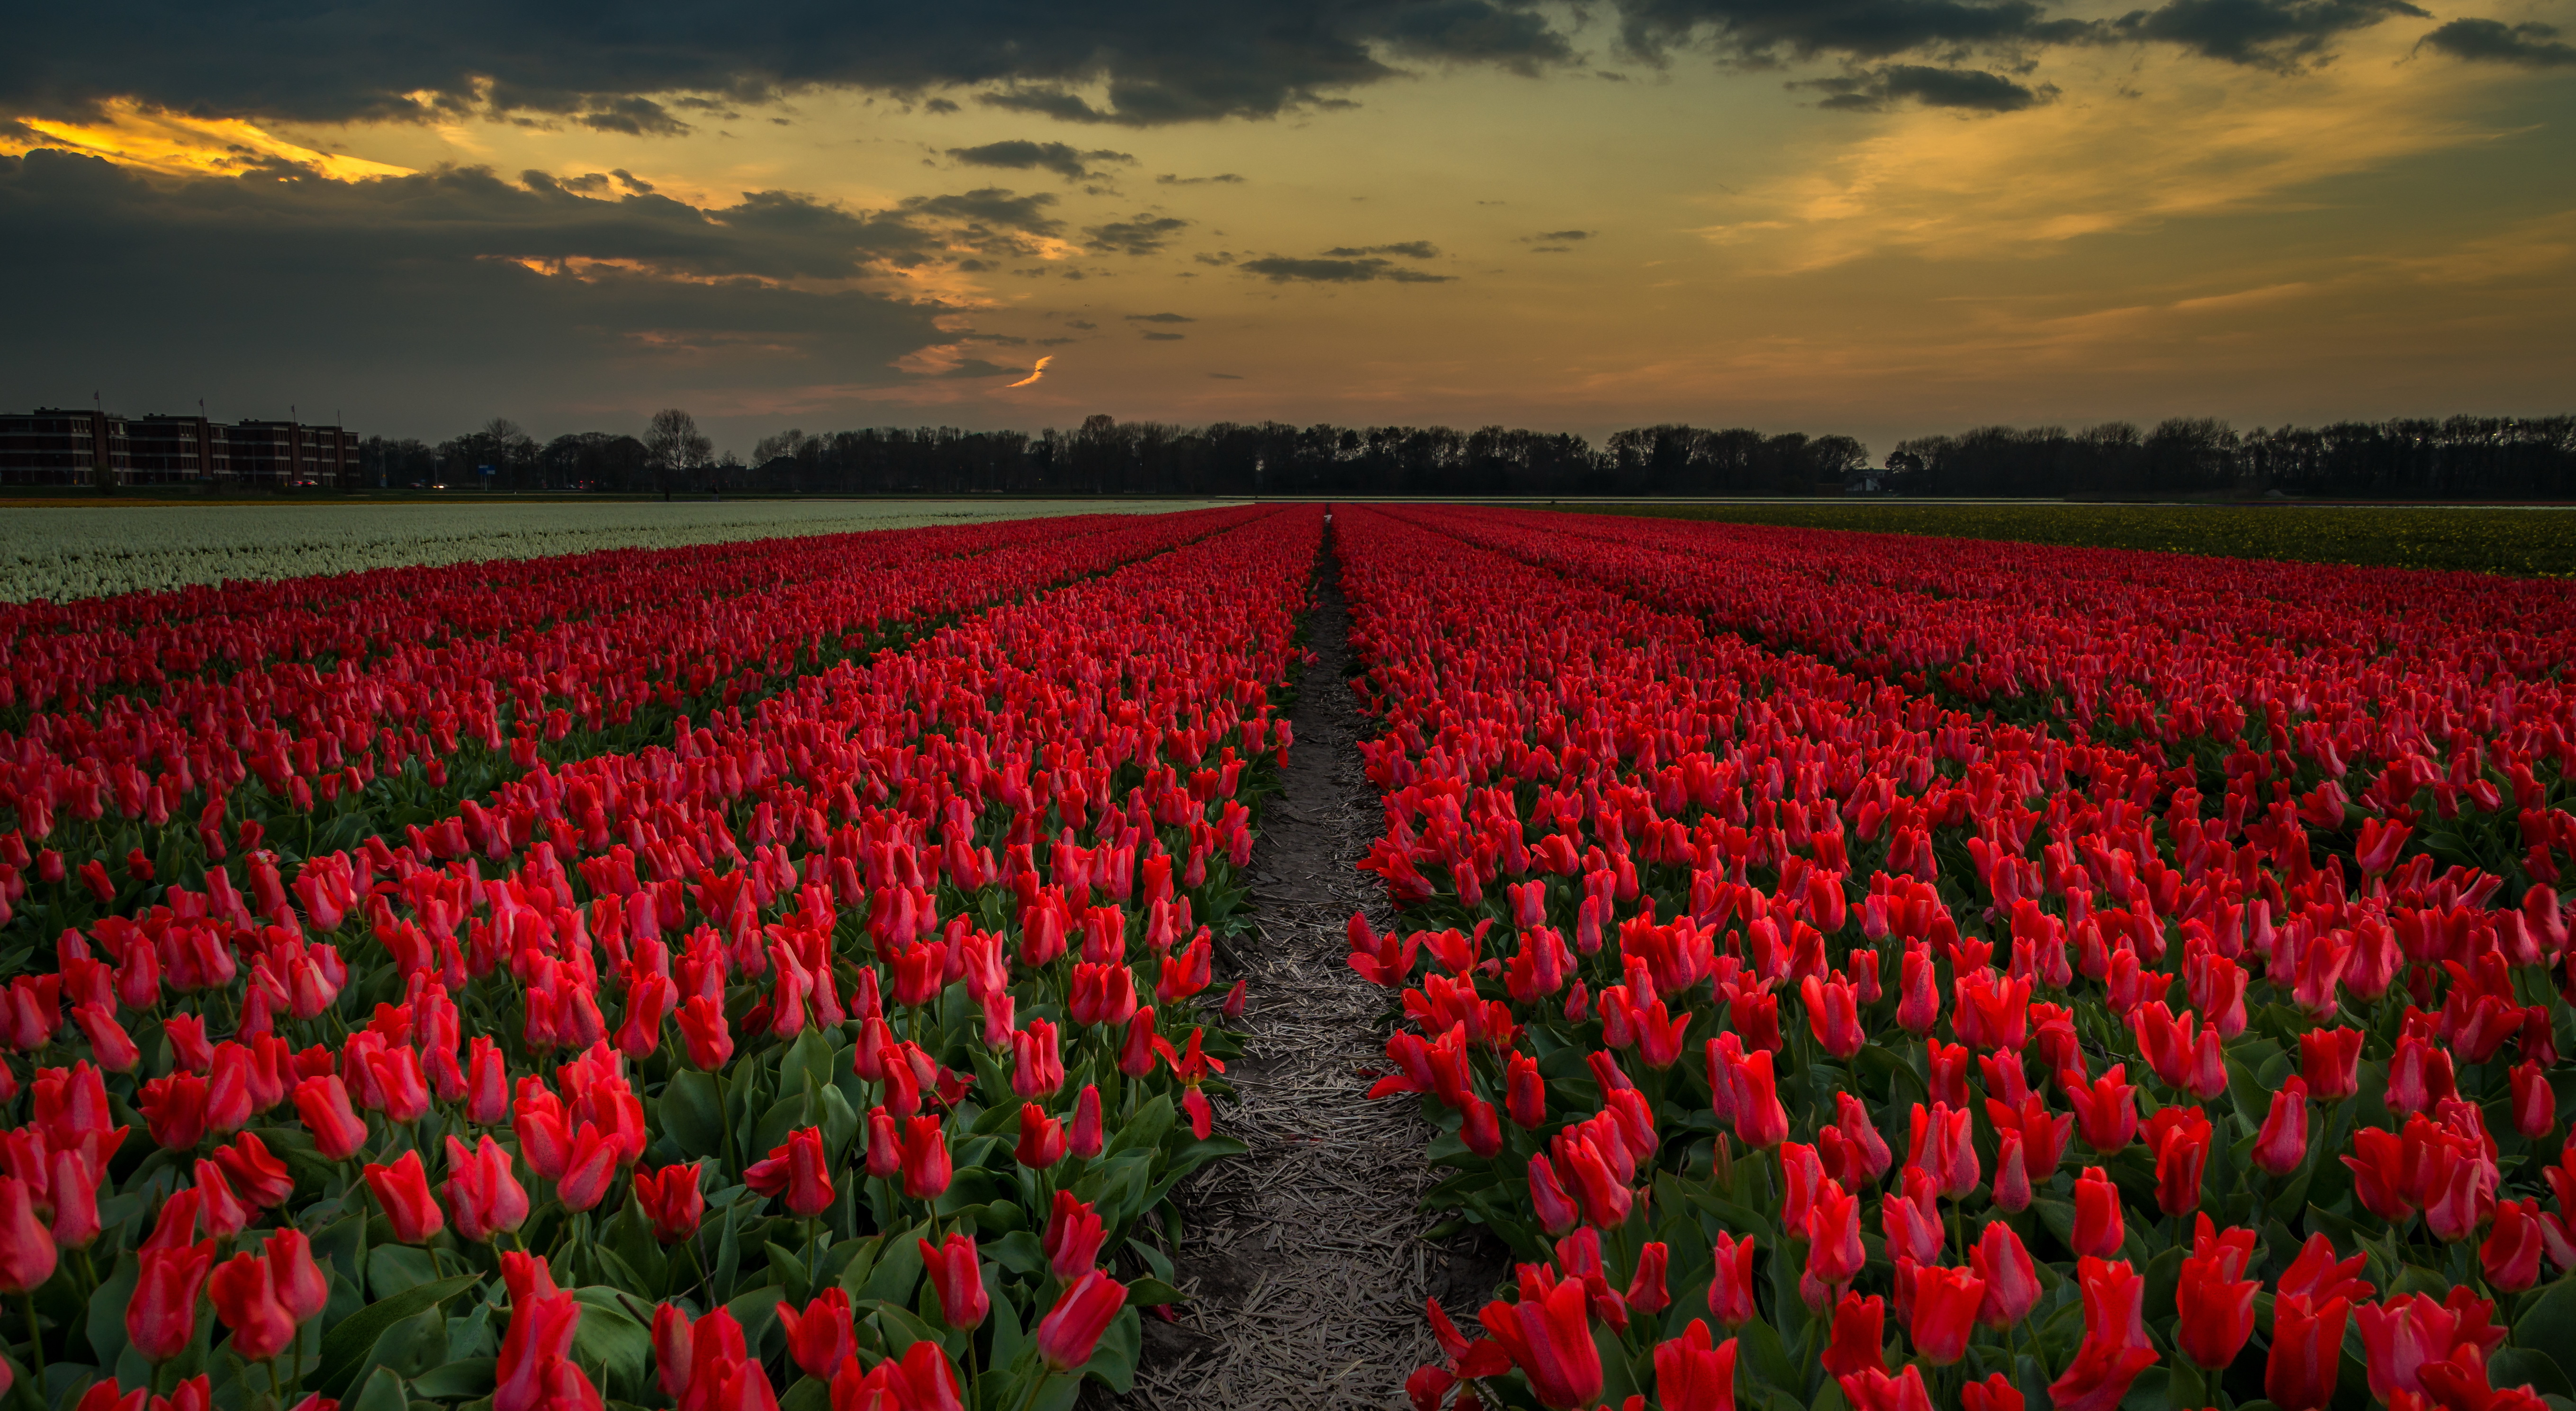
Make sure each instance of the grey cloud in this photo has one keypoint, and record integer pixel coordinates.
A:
(1142, 236)
(1172, 179)
(1153, 337)
(1972, 89)
(1227, 376)
(636, 117)
(1282, 269)
(2533, 45)
(1061, 158)
(1410, 249)
(1154, 61)
(451, 320)
(1160, 318)
(2274, 34)
(1564, 236)
(1765, 31)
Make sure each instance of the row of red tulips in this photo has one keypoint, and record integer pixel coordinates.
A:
(2366, 687)
(398, 721)
(2194, 1105)
(843, 1053)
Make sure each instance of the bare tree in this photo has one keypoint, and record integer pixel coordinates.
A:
(673, 445)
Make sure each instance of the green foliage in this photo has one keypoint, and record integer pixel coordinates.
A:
(2525, 542)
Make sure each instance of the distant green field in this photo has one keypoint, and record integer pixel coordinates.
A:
(2529, 543)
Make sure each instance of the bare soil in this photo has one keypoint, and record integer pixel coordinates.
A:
(1305, 1261)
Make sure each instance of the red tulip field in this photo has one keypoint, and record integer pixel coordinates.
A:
(1806, 969)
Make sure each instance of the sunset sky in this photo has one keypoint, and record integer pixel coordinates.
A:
(1878, 217)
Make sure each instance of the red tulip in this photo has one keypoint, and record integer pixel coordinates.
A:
(590, 1170)
(821, 1338)
(2330, 1063)
(925, 1158)
(1859, 1335)
(174, 1107)
(2299, 1373)
(1946, 1302)
(246, 1302)
(108, 1042)
(75, 1197)
(2098, 1226)
(2317, 1277)
(222, 1211)
(1604, 1197)
(672, 1200)
(706, 1035)
(2535, 1103)
(1646, 1292)
(1911, 1220)
(2215, 1307)
(1730, 1291)
(27, 1250)
(1548, 1335)
(2510, 1257)
(796, 1168)
(299, 1284)
(536, 1354)
(323, 1103)
(2106, 1109)
(2283, 1143)
(1037, 1064)
(1074, 1234)
(1760, 1120)
(161, 1316)
(483, 1190)
(1834, 1251)
(1083, 1138)
(1072, 1328)
(2179, 1136)
(1692, 1376)
(260, 1178)
(1041, 1143)
(487, 1083)
(2012, 1280)
(403, 1190)
(958, 1276)
(1833, 1014)
(1995, 1393)
(1872, 1389)
(2115, 1347)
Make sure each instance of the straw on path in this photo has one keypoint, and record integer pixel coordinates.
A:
(1305, 1261)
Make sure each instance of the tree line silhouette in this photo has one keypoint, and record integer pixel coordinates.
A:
(2459, 457)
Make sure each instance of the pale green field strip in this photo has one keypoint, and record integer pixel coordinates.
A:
(63, 554)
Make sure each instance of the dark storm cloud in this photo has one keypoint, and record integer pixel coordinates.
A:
(1282, 269)
(2278, 34)
(1158, 61)
(2534, 45)
(411, 302)
(1972, 89)
(1769, 30)
(1410, 249)
(1142, 236)
(1064, 160)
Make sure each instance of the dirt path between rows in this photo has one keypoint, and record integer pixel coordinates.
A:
(1305, 1260)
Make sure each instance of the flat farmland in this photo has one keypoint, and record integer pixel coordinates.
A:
(61, 552)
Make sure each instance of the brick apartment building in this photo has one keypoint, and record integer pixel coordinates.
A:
(55, 446)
